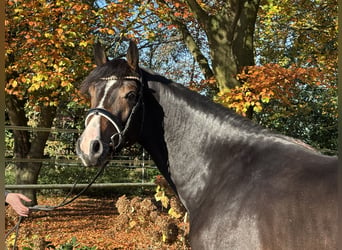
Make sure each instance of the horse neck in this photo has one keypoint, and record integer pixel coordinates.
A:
(152, 137)
(178, 131)
(195, 142)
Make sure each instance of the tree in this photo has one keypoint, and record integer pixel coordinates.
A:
(218, 34)
(47, 51)
(225, 27)
(302, 33)
(294, 89)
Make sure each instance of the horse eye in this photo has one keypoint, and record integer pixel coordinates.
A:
(130, 95)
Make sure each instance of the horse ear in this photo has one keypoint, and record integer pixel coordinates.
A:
(133, 55)
(99, 54)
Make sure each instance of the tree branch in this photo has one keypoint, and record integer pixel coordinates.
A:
(195, 50)
(201, 16)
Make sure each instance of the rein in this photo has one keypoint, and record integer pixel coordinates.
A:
(121, 133)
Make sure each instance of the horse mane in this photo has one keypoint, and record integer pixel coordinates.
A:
(202, 103)
(222, 115)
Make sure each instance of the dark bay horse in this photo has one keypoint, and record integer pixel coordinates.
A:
(243, 186)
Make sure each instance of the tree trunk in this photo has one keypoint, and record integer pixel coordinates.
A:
(230, 38)
(28, 145)
(27, 173)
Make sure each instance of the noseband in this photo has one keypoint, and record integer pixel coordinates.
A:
(121, 133)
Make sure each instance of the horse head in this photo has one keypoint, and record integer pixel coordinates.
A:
(115, 91)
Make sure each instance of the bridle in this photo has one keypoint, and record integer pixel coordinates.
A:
(121, 133)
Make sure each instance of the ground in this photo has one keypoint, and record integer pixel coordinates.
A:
(105, 223)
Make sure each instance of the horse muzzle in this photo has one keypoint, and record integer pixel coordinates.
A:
(94, 154)
(93, 146)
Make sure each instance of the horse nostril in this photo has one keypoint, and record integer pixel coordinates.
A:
(96, 147)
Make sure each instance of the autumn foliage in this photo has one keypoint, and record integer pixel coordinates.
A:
(46, 49)
(260, 84)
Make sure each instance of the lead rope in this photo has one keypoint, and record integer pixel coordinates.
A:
(50, 208)
(16, 228)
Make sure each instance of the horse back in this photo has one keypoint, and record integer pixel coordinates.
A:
(298, 209)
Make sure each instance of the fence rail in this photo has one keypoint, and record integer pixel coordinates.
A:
(79, 186)
(41, 129)
(122, 162)
(72, 160)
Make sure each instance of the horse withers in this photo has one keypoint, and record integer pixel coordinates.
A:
(244, 187)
